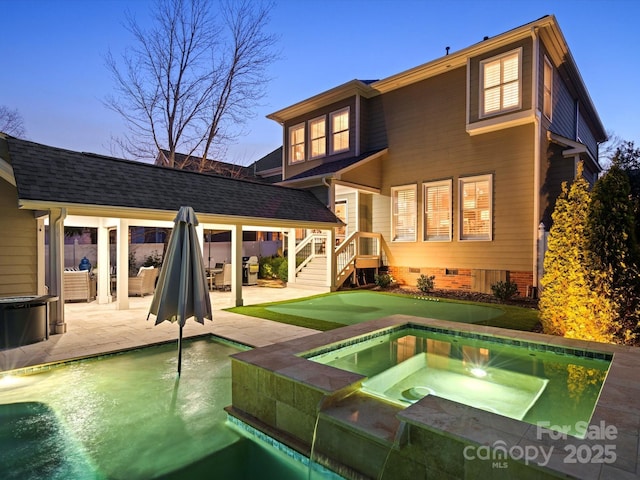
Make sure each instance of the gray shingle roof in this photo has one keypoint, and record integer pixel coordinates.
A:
(49, 174)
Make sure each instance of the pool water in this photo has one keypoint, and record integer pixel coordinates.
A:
(528, 382)
(127, 416)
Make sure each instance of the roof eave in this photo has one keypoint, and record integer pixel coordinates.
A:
(169, 215)
(336, 94)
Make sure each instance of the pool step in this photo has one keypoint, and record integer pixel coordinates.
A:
(359, 431)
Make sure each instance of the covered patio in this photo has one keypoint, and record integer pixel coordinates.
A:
(63, 187)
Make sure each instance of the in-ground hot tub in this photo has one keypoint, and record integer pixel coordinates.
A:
(24, 319)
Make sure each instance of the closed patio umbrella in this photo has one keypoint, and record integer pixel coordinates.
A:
(182, 292)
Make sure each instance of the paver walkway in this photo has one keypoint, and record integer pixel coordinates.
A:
(94, 329)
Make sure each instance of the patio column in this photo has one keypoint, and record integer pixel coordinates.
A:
(122, 262)
(104, 267)
(331, 259)
(291, 256)
(236, 261)
(56, 267)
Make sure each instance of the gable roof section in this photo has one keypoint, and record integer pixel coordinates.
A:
(547, 27)
(49, 177)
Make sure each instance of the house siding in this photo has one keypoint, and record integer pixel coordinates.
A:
(18, 246)
(428, 142)
(369, 174)
(376, 137)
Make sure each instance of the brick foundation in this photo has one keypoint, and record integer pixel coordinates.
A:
(455, 279)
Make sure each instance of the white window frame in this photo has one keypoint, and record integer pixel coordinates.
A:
(501, 86)
(462, 181)
(333, 134)
(292, 146)
(425, 212)
(323, 138)
(547, 89)
(411, 215)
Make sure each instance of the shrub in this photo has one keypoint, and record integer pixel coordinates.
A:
(152, 260)
(283, 269)
(269, 267)
(425, 284)
(383, 280)
(504, 290)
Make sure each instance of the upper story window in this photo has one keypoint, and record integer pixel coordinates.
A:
(547, 101)
(403, 208)
(501, 83)
(340, 130)
(296, 143)
(437, 211)
(475, 207)
(318, 137)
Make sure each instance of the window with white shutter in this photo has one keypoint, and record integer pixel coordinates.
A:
(437, 211)
(501, 83)
(404, 213)
(476, 207)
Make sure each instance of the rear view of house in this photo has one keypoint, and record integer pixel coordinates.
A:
(450, 168)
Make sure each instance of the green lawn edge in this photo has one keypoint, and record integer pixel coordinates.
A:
(513, 317)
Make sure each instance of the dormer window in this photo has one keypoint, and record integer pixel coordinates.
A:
(340, 130)
(501, 83)
(318, 137)
(296, 143)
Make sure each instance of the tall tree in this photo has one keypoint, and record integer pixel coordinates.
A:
(613, 249)
(11, 122)
(569, 306)
(193, 77)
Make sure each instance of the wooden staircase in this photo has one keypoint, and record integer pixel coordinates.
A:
(314, 272)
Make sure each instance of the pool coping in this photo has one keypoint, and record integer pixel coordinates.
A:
(617, 408)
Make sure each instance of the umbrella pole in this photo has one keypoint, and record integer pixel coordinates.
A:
(180, 351)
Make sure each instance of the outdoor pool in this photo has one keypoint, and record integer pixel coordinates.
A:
(126, 416)
(517, 379)
(356, 307)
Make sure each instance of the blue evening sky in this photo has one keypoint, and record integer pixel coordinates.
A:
(53, 56)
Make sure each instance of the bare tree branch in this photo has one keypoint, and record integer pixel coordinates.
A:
(191, 80)
(11, 122)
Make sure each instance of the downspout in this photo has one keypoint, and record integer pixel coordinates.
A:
(536, 154)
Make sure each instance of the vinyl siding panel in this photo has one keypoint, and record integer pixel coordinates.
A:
(585, 135)
(18, 246)
(369, 174)
(376, 128)
(428, 142)
(564, 108)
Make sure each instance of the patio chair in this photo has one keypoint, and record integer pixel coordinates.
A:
(77, 285)
(144, 283)
(223, 280)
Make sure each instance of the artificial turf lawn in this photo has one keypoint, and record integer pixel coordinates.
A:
(334, 310)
